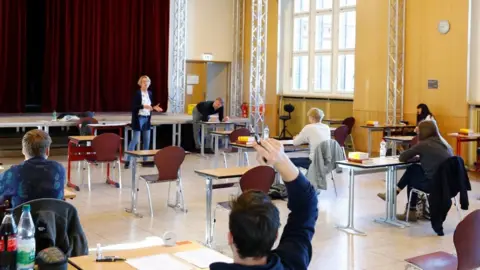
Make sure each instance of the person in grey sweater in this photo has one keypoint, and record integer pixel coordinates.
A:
(431, 151)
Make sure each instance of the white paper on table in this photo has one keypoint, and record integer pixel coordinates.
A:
(153, 262)
(202, 258)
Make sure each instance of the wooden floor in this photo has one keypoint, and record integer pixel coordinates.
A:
(104, 220)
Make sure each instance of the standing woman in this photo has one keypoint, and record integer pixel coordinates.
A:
(141, 116)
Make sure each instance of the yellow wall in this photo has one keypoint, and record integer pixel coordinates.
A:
(271, 116)
(429, 55)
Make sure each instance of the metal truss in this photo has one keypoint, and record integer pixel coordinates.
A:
(236, 89)
(396, 61)
(258, 63)
(176, 92)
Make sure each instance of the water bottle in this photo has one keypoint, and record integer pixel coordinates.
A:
(54, 116)
(26, 240)
(266, 133)
(8, 243)
(383, 149)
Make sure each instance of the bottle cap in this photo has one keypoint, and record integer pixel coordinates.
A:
(26, 208)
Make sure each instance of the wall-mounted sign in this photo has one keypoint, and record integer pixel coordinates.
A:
(432, 84)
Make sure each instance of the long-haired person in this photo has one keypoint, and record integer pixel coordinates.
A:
(424, 113)
(141, 116)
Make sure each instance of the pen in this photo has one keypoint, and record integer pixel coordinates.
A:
(110, 259)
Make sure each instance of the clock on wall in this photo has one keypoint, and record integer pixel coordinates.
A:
(443, 27)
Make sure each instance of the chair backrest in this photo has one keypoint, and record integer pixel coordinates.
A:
(341, 134)
(258, 178)
(83, 127)
(233, 137)
(106, 147)
(349, 122)
(168, 161)
(466, 239)
(289, 108)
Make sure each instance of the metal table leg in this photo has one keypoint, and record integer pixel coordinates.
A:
(174, 135)
(394, 148)
(369, 139)
(391, 201)
(209, 221)
(125, 138)
(133, 208)
(217, 151)
(202, 141)
(154, 144)
(350, 228)
(241, 158)
(179, 134)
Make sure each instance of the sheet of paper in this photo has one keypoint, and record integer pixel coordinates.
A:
(153, 263)
(193, 79)
(202, 258)
(189, 89)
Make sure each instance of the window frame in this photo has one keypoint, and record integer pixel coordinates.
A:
(286, 53)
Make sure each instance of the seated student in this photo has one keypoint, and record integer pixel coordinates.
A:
(432, 150)
(313, 134)
(36, 177)
(202, 111)
(423, 113)
(254, 220)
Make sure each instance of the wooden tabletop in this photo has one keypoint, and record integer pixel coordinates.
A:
(387, 126)
(221, 132)
(399, 138)
(462, 136)
(68, 194)
(222, 173)
(88, 262)
(375, 163)
(81, 138)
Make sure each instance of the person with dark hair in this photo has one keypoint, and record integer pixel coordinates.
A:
(423, 113)
(36, 177)
(432, 150)
(202, 111)
(254, 220)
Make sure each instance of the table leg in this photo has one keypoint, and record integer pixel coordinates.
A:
(179, 134)
(369, 142)
(202, 141)
(241, 158)
(459, 147)
(209, 221)
(391, 200)
(217, 154)
(133, 208)
(125, 138)
(350, 228)
(394, 148)
(154, 144)
(174, 135)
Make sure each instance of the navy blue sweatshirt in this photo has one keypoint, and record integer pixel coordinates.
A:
(295, 248)
(205, 108)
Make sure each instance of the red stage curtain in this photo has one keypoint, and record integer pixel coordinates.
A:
(12, 55)
(97, 49)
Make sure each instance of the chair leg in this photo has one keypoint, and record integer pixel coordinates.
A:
(119, 165)
(408, 205)
(225, 159)
(334, 185)
(89, 177)
(353, 143)
(182, 197)
(149, 198)
(460, 217)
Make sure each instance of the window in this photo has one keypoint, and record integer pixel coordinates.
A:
(318, 47)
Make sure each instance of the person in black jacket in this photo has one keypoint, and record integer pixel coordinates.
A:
(432, 150)
(254, 220)
(141, 116)
(201, 112)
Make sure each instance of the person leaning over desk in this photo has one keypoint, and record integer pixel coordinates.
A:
(141, 116)
(202, 111)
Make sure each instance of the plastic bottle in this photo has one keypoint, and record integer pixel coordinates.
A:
(266, 133)
(26, 240)
(54, 116)
(8, 243)
(383, 149)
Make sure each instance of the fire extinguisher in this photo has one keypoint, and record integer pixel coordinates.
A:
(244, 110)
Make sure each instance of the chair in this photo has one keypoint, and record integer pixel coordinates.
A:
(289, 108)
(466, 239)
(107, 148)
(83, 127)
(233, 137)
(259, 178)
(422, 193)
(168, 162)
(350, 123)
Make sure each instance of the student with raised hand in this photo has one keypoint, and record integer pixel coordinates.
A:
(254, 220)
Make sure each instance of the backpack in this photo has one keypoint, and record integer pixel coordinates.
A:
(278, 192)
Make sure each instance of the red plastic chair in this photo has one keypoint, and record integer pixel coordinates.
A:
(259, 178)
(107, 148)
(466, 239)
(233, 137)
(168, 162)
(340, 134)
(350, 123)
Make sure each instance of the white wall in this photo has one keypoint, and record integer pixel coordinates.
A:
(473, 82)
(210, 29)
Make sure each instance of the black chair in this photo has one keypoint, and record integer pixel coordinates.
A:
(289, 108)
